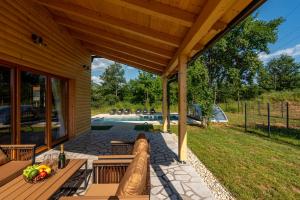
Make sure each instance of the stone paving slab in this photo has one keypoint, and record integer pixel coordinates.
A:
(170, 179)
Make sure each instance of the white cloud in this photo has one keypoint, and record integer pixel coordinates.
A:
(96, 79)
(293, 51)
(101, 64)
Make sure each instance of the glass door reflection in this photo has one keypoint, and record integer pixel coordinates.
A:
(59, 111)
(33, 109)
(5, 106)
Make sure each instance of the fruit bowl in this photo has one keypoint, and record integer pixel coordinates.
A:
(37, 173)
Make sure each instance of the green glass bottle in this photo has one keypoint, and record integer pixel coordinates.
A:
(61, 158)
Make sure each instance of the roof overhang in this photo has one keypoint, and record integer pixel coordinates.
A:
(148, 34)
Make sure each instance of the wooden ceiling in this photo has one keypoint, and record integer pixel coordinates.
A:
(147, 34)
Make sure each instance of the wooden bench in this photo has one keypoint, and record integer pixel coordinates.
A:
(16, 159)
(110, 176)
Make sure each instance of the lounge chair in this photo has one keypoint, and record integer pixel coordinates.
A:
(113, 111)
(145, 111)
(125, 179)
(138, 111)
(127, 111)
(152, 111)
(120, 111)
(14, 159)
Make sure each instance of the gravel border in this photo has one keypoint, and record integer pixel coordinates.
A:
(217, 189)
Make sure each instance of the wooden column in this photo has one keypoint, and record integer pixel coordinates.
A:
(165, 104)
(182, 107)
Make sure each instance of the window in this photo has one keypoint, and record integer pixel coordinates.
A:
(5, 106)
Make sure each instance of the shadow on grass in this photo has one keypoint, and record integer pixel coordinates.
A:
(278, 134)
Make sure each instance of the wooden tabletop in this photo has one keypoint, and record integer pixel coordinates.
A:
(20, 189)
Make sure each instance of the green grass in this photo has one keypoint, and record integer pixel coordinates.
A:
(101, 128)
(249, 166)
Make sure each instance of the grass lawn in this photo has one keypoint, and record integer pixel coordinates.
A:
(248, 165)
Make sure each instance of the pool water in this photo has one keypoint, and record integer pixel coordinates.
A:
(120, 118)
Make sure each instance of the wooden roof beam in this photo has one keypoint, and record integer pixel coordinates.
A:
(101, 18)
(210, 14)
(158, 9)
(100, 33)
(120, 48)
(122, 55)
(126, 62)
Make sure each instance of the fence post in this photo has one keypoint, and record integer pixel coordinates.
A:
(287, 114)
(269, 125)
(281, 109)
(245, 112)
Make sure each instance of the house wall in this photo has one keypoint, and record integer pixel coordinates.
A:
(61, 56)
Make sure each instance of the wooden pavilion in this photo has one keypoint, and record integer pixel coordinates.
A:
(56, 38)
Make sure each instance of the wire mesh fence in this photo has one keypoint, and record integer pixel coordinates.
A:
(273, 118)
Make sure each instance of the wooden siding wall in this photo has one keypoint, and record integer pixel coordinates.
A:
(62, 56)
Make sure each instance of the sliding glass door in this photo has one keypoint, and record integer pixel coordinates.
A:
(5, 106)
(33, 109)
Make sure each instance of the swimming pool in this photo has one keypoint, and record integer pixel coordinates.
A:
(132, 118)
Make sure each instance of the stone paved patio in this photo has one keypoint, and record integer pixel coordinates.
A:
(170, 179)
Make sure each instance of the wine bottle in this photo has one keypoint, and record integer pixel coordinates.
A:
(61, 158)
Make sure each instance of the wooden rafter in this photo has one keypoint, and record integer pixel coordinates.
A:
(122, 55)
(126, 62)
(158, 9)
(100, 33)
(209, 15)
(102, 43)
(113, 22)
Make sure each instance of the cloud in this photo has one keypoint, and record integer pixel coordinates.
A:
(100, 64)
(96, 79)
(293, 51)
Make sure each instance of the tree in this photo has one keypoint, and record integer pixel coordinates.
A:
(239, 50)
(280, 73)
(146, 88)
(199, 91)
(112, 82)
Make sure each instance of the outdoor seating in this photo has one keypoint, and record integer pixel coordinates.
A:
(120, 111)
(113, 111)
(138, 111)
(145, 111)
(128, 147)
(152, 111)
(13, 159)
(120, 179)
(127, 111)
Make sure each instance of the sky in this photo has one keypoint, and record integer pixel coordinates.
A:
(288, 38)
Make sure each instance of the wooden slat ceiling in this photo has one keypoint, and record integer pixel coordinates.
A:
(146, 34)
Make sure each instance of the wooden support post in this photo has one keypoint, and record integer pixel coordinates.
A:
(182, 81)
(165, 104)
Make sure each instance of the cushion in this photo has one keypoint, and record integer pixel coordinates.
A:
(109, 189)
(139, 146)
(3, 158)
(141, 136)
(11, 170)
(135, 177)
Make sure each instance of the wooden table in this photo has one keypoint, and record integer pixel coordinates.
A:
(20, 189)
